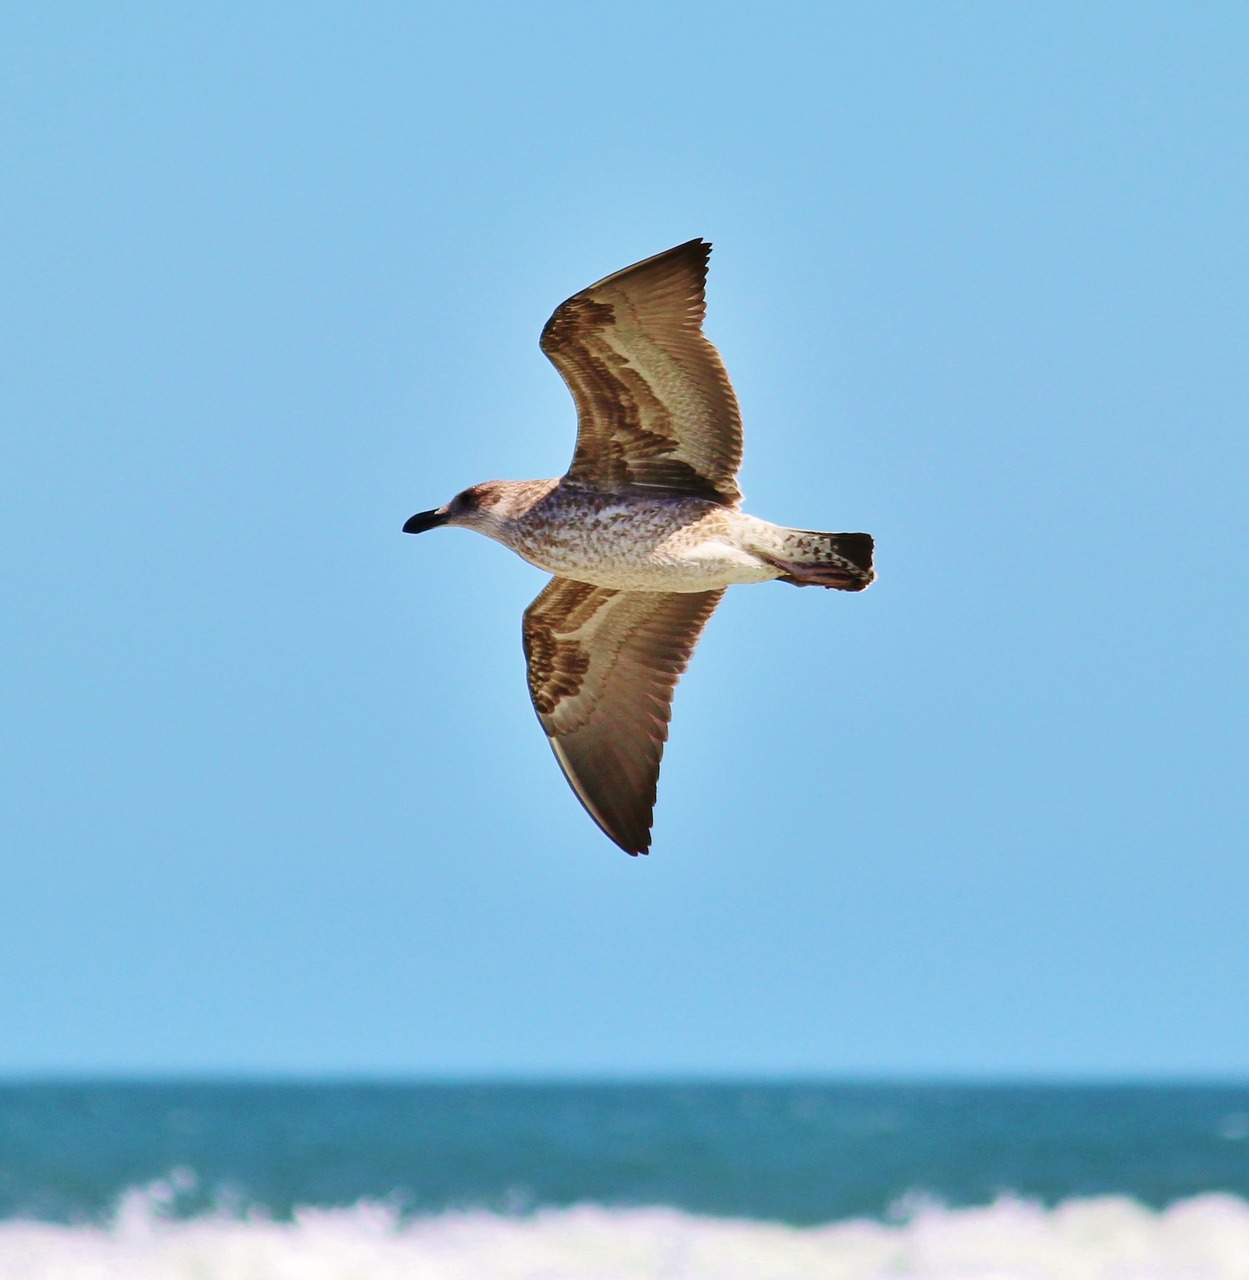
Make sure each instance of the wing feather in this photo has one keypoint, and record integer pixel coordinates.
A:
(603, 666)
(655, 409)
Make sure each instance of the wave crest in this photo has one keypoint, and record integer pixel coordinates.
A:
(1107, 1238)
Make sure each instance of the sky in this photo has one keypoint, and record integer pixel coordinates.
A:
(273, 800)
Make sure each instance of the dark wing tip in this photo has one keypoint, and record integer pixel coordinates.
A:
(696, 252)
(696, 248)
(630, 831)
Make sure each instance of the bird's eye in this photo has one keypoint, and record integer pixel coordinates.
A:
(467, 501)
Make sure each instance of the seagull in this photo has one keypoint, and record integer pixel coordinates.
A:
(643, 533)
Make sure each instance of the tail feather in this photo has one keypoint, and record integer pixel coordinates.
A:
(839, 560)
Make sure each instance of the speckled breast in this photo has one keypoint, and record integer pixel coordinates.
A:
(642, 544)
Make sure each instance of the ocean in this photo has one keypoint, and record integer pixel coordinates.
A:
(597, 1181)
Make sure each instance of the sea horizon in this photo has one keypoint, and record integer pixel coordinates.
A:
(626, 1177)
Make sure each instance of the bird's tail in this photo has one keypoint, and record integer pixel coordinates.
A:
(810, 559)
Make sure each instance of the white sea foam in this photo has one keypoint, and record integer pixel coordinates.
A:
(1111, 1238)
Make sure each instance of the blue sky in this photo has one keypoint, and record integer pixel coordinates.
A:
(272, 796)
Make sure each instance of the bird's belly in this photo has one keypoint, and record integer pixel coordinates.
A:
(655, 566)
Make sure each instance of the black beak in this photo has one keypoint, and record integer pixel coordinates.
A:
(425, 520)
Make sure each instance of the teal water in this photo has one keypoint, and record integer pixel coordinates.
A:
(799, 1153)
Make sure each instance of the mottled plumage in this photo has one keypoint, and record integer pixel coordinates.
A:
(602, 667)
(643, 533)
(655, 409)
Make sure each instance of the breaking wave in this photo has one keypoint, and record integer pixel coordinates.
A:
(1108, 1238)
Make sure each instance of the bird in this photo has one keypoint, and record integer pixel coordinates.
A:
(643, 534)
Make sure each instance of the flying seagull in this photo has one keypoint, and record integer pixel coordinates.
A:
(643, 533)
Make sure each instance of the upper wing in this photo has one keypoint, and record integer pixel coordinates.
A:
(655, 409)
(603, 665)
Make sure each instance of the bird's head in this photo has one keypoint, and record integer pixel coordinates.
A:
(483, 507)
